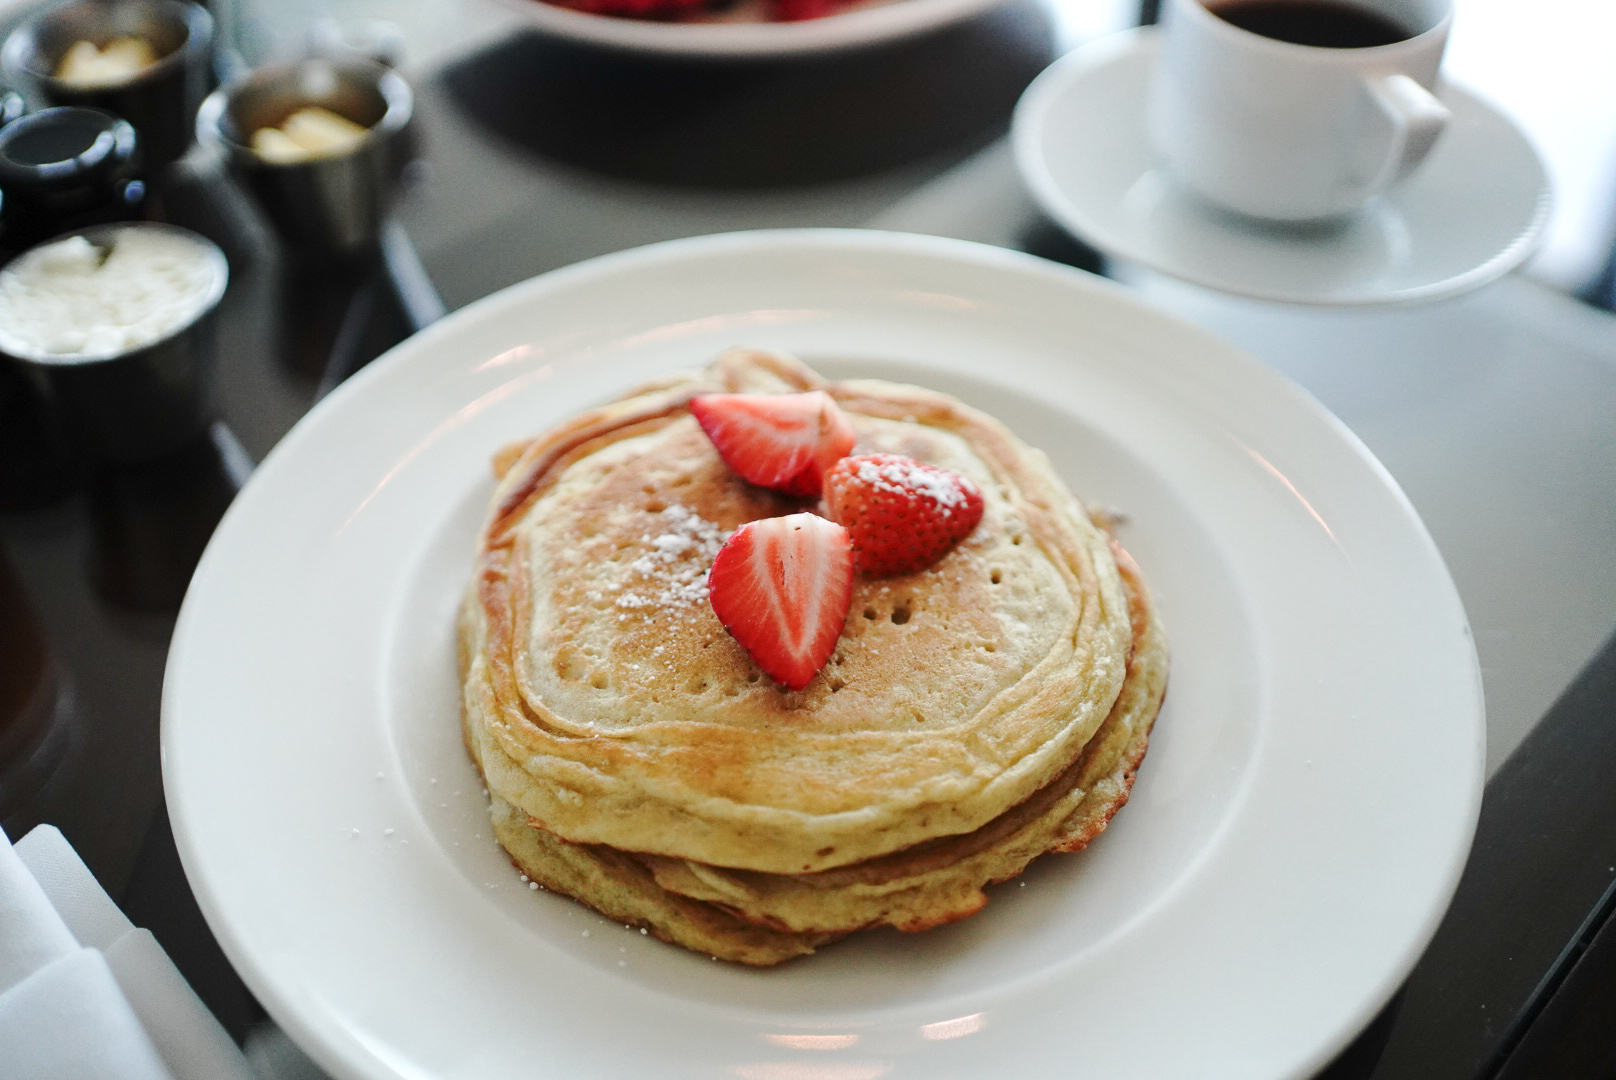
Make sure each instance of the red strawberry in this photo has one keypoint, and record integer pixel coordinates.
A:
(903, 515)
(781, 587)
(779, 441)
(797, 10)
(637, 9)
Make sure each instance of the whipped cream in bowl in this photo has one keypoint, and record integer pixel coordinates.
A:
(113, 322)
(78, 299)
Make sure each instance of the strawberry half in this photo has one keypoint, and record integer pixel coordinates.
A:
(779, 441)
(902, 514)
(782, 588)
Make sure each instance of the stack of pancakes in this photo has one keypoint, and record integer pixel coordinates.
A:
(973, 716)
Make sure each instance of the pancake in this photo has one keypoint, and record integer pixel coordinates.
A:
(974, 715)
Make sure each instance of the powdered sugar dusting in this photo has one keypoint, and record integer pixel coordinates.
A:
(904, 476)
(675, 569)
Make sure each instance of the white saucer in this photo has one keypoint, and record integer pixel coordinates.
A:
(1473, 211)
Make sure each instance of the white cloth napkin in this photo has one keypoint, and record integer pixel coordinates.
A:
(84, 995)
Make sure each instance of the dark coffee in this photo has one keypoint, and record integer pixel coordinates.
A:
(1328, 24)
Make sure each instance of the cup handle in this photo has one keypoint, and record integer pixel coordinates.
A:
(1417, 118)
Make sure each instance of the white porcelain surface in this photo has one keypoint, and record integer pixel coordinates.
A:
(1294, 132)
(1473, 211)
(864, 24)
(1294, 836)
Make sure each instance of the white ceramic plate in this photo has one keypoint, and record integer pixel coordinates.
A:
(864, 22)
(1294, 836)
(1473, 211)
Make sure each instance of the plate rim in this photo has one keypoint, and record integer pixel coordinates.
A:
(672, 253)
(1029, 126)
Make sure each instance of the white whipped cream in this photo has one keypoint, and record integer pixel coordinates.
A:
(72, 300)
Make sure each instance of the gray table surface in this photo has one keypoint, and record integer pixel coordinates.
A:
(1496, 411)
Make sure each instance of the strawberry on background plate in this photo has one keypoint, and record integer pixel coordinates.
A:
(782, 587)
(902, 514)
(779, 441)
(637, 9)
(797, 10)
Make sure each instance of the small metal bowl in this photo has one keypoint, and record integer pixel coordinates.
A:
(12, 107)
(147, 402)
(62, 169)
(334, 204)
(161, 101)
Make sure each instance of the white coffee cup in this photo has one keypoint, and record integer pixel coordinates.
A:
(1293, 132)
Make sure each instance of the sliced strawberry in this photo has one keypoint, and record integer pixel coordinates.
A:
(637, 9)
(782, 587)
(779, 441)
(797, 10)
(903, 514)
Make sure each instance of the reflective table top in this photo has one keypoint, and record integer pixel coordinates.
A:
(1493, 411)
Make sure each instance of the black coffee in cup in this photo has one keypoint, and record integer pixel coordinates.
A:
(1328, 24)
